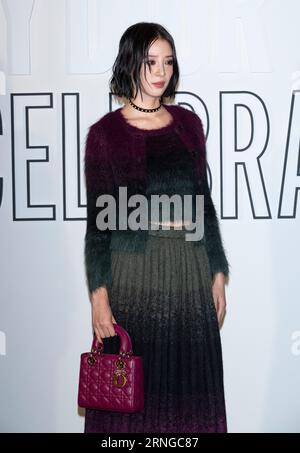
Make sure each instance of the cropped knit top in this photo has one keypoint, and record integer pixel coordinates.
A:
(169, 160)
(170, 173)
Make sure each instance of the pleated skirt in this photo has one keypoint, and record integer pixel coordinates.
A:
(163, 298)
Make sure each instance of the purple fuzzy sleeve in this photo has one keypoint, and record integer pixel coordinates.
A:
(213, 239)
(98, 180)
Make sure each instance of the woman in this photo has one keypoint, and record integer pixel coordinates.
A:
(166, 291)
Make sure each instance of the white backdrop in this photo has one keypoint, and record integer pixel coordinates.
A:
(240, 71)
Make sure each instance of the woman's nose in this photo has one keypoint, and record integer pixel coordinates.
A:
(161, 70)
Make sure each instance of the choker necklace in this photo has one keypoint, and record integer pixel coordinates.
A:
(144, 110)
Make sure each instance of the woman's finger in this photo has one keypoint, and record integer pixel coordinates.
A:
(112, 331)
(101, 332)
(98, 334)
(108, 330)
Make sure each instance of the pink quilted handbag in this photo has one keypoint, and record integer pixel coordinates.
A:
(112, 382)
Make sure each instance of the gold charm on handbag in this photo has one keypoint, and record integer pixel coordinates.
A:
(120, 373)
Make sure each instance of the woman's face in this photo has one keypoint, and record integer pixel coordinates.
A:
(159, 68)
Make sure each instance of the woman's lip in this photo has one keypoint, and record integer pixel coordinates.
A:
(159, 84)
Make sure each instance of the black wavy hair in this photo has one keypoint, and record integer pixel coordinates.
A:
(133, 52)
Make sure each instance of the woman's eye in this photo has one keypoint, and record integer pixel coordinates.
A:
(152, 62)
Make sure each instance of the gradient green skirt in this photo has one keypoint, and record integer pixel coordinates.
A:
(163, 299)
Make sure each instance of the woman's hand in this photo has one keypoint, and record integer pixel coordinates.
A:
(218, 292)
(102, 317)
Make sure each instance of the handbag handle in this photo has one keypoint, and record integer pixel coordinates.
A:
(125, 344)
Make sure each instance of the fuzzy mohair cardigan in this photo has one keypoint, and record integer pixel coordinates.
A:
(115, 156)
